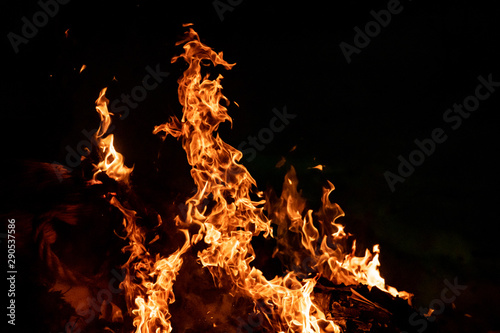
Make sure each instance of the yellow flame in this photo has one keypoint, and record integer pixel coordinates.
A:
(112, 162)
(233, 218)
(305, 239)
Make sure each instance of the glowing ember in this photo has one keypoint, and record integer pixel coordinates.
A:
(313, 241)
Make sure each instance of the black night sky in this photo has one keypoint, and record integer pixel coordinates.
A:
(357, 112)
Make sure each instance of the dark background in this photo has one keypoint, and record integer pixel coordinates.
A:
(353, 118)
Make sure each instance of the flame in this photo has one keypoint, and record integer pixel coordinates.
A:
(227, 227)
(310, 244)
(149, 281)
(112, 162)
(153, 310)
(325, 248)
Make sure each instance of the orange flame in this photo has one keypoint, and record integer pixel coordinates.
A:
(153, 310)
(149, 281)
(312, 241)
(228, 226)
(325, 249)
(112, 162)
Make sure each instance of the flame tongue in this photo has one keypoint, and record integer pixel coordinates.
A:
(112, 161)
(323, 250)
(233, 217)
(215, 171)
(149, 283)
